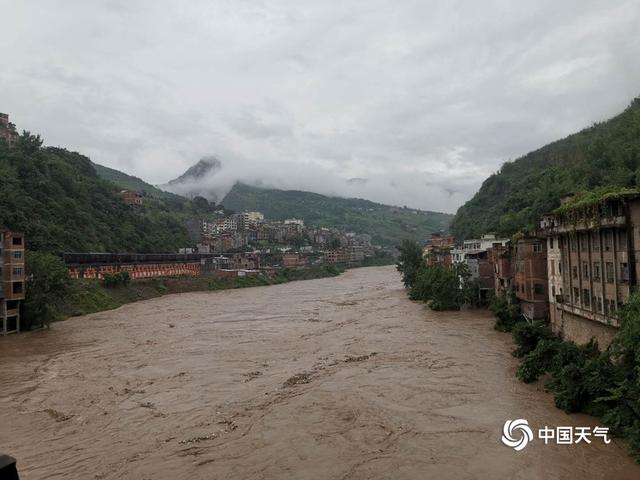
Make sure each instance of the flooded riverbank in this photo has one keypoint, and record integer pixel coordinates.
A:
(332, 378)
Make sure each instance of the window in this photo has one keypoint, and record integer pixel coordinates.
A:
(537, 247)
(576, 295)
(624, 272)
(608, 240)
(559, 267)
(550, 242)
(17, 241)
(599, 304)
(552, 267)
(595, 241)
(17, 255)
(553, 291)
(596, 271)
(585, 270)
(17, 287)
(18, 271)
(574, 271)
(584, 243)
(586, 298)
(538, 289)
(609, 272)
(622, 240)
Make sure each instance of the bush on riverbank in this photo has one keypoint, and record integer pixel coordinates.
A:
(444, 288)
(47, 284)
(584, 379)
(506, 310)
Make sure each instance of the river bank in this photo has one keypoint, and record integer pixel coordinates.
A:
(335, 378)
(92, 296)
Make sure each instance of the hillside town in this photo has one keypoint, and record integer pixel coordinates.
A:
(576, 270)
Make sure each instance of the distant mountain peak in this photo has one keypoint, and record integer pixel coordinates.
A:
(204, 167)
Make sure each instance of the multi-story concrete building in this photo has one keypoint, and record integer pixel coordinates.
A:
(12, 280)
(500, 258)
(598, 245)
(530, 277)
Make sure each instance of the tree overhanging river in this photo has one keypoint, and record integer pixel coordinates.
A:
(321, 379)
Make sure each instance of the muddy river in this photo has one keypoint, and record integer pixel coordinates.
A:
(339, 378)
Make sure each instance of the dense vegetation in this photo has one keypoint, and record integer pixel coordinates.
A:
(606, 154)
(443, 288)
(129, 182)
(56, 198)
(584, 379)
(387, 225)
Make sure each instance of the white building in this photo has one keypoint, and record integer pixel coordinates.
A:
(294, 221)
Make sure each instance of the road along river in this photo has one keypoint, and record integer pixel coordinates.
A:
(338, 378)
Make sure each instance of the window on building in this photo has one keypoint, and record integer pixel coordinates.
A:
(609, 272)
(599, 304)
(552, 267)
(17, 255)
(559, 267)
(584, 243)
(17, 241)
(608, 240)
(586, 298)
(624, 272)
(18, 271)
(537, 247)
(576, 296)
(596, 271)
(17, 287)
(550, 242)
(574, 271)
(538, 289)
(595, 241)
(585, 270)
(553, 291)
(622, 240)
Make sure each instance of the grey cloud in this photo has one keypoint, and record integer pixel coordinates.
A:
(424, 100)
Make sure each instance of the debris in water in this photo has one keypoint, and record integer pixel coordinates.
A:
(297, 379)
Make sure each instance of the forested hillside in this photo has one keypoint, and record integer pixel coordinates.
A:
(61, 204)
(606, 154)
(386, 224)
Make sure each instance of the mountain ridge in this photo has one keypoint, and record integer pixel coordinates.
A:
(515, 197)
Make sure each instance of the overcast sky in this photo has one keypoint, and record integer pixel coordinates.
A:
(403, 102)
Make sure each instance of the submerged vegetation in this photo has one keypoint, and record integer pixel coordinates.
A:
(582, 378)
(442, 287)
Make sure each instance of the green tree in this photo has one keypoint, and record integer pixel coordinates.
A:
(47, 285)
(410, 261)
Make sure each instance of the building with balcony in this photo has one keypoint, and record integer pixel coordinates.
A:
(593, 265)
(12, 280)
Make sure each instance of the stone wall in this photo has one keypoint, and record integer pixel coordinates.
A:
(579, 329)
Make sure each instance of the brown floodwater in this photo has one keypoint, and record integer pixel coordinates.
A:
(338, 378)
